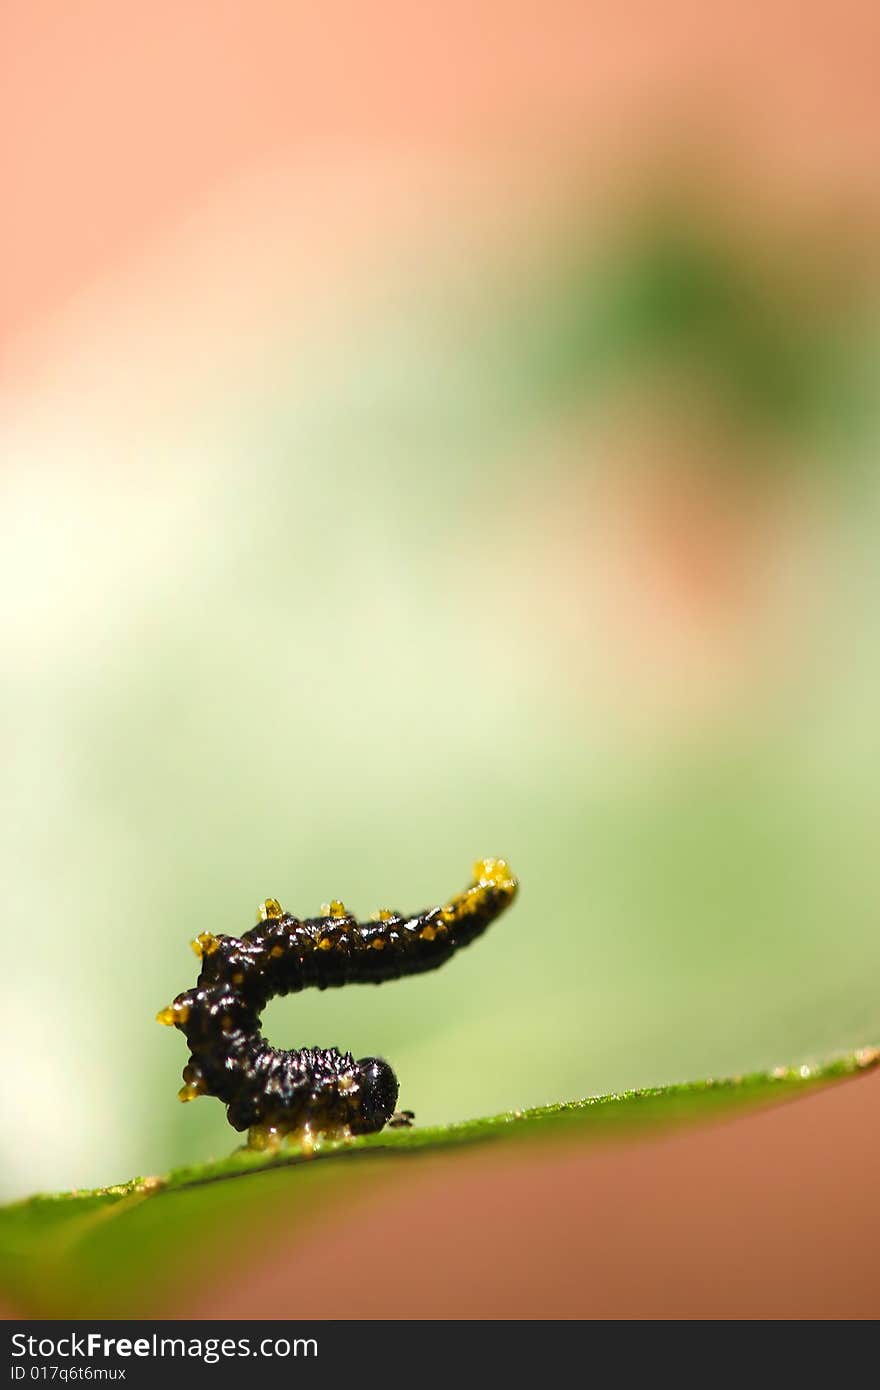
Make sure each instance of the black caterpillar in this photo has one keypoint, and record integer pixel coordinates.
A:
(270, 1091)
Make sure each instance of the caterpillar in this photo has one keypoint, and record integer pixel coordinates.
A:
(273, 1092)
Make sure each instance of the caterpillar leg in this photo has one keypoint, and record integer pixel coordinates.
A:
(402, 1119)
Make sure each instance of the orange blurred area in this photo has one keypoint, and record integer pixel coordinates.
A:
(117, 120)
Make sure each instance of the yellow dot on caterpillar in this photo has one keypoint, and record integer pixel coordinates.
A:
(377, 944)
(277, 951)
(270, 910)
(191, 1091)
(495, 873)
(383, 915)
(448, 914)
(337, 909)
(238, 977)
(175, 1014)
(325, 944)
(205, 944)
(428, 933)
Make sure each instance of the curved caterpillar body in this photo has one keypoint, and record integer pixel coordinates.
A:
(271, 1091)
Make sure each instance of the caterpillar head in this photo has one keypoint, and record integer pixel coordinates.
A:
(376, 1098)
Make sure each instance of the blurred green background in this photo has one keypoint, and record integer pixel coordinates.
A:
(566, 554)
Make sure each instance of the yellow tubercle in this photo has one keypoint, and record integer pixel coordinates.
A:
(495, 873)
(428, 933)
(325, 944)
(378, 943)
(191, 1091)
(205, 944)
(335, 908)
(270, 910)
(383, 915)
(490, 876)
(174, 1014)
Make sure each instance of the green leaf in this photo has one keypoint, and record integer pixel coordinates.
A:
(127, 1250)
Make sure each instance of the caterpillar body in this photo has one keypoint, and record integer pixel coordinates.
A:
(273, 1091)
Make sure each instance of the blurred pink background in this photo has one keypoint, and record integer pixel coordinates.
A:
(120, 122)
